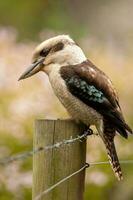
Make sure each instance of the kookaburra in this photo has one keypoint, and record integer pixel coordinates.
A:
(84, 90)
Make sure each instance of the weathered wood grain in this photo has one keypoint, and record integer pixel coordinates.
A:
(53, 165)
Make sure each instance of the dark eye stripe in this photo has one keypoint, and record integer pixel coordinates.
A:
(59, 46)
(44, 52)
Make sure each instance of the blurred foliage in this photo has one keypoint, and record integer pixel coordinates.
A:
(30, 17)
(106, 39)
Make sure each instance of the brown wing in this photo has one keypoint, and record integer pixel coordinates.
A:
(94, 88)
(98, 78)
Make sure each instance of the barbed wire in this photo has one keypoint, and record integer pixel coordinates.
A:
(21, 156)
(80, 138)
(61, 181)
(24, 155)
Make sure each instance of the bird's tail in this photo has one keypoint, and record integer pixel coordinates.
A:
(112, 155)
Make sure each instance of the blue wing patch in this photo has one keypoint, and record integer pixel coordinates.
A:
(89, 92)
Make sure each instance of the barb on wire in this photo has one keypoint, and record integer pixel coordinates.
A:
(61, 181)
(21, 156)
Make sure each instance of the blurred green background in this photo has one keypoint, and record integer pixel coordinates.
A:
(104, 29)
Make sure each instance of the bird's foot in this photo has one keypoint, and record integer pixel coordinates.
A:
(86, 133)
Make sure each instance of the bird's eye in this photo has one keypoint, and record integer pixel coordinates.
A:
(44, 52)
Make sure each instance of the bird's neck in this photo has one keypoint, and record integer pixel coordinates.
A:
(73, 55)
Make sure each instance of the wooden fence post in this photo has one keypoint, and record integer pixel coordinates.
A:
(55, 164)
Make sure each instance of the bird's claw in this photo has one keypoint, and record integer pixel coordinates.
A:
(86, 133)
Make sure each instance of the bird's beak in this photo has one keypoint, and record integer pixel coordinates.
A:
(32, 69)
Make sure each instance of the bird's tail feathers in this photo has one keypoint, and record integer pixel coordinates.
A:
(124, 129)
(112, 155)
(128, 128)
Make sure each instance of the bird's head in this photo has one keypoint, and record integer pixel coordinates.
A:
(57, 51)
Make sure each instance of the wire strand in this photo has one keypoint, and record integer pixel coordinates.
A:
(76, 172)
(61, 181)
(107, 162)
(21, 156)
(27, 154)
